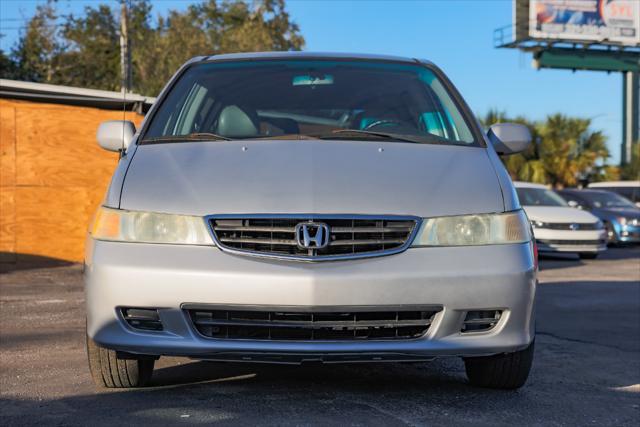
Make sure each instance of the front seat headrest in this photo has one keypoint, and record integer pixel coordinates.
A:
(235, 122)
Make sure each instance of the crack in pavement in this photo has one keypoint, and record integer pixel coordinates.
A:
(561, 338)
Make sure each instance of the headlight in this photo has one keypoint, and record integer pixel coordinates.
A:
(469, 230)
(537, 224)
(148, 227)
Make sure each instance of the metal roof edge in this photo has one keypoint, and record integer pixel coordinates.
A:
(43, 89)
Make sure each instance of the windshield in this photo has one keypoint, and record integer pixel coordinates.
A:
(539, 197)
(630, 193)
(309, 98)
(604, 199)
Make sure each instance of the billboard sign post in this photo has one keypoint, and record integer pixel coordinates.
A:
(595, 35)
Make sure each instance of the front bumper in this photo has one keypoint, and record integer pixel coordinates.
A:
(570, 241)
(626, 233)
(167, 277)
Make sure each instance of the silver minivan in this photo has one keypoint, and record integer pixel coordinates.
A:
(300, 207)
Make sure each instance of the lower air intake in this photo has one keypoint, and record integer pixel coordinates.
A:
(312, 326)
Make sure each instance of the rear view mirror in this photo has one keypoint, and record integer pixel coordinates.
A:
(509, 138)
(115, 135)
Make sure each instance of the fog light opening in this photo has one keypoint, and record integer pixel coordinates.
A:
(146, 319)
(480, 321)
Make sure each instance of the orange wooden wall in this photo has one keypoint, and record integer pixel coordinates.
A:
(53, 175)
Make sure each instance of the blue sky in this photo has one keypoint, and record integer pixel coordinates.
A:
(455, 34)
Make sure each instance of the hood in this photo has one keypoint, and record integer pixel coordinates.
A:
(311, 176)
(558, 214)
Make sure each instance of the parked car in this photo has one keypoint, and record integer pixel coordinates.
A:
(557, 226)
(620, 216)
(627, 189)
(295, 207)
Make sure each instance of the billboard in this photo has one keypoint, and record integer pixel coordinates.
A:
(603, 21)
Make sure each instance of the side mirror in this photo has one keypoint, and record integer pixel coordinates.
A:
(574, 204)
(509, 138)
(115, 135)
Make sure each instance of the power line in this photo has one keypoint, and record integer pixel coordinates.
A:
(22, 27)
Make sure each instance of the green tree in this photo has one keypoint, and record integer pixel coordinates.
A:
(564, 152)
(266, 27)
(631, 170)
(211, 28)
(35, 54)
(176, 38)
(569, 150)
(91, 56)
(8, 67)
(86, 51)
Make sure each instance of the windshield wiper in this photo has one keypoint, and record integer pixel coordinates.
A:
(287, 136)
(419, 139)
(196, 136)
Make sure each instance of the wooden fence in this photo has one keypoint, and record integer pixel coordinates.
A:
(53, 175)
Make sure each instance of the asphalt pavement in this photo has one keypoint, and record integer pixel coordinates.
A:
(586, 367)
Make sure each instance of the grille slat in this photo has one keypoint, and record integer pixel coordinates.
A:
(372, 229)
(263, 229)
(366, 242)
(571, 242)
(349, 236)
(313, 326)
(270, 241)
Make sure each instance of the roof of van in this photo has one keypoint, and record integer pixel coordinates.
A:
(309, 55)
(522, 184)
(584, 190)
(614, 184)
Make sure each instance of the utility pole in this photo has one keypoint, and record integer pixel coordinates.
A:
(630, 114)
(125, 54)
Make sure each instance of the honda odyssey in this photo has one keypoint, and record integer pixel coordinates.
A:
(299, 207)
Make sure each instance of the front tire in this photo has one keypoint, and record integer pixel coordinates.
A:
(503, 371)
(588, 255)
(109, 371)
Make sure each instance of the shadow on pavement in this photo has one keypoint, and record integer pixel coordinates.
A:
(249, 394)
(12, 262)
(550, 261)
(371, 395)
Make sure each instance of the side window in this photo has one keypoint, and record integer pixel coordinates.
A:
(433, 123)
(449, 120)
(630, 193)
(190, 116)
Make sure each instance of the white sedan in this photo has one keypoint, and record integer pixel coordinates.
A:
(558, 227)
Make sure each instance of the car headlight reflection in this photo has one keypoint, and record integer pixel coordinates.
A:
(471, 230)
(149, 227)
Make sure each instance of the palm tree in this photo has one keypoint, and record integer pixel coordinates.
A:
(564, 151)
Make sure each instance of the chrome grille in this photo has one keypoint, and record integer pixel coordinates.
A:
(287, 325)
(348, 237)
(572, 226)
